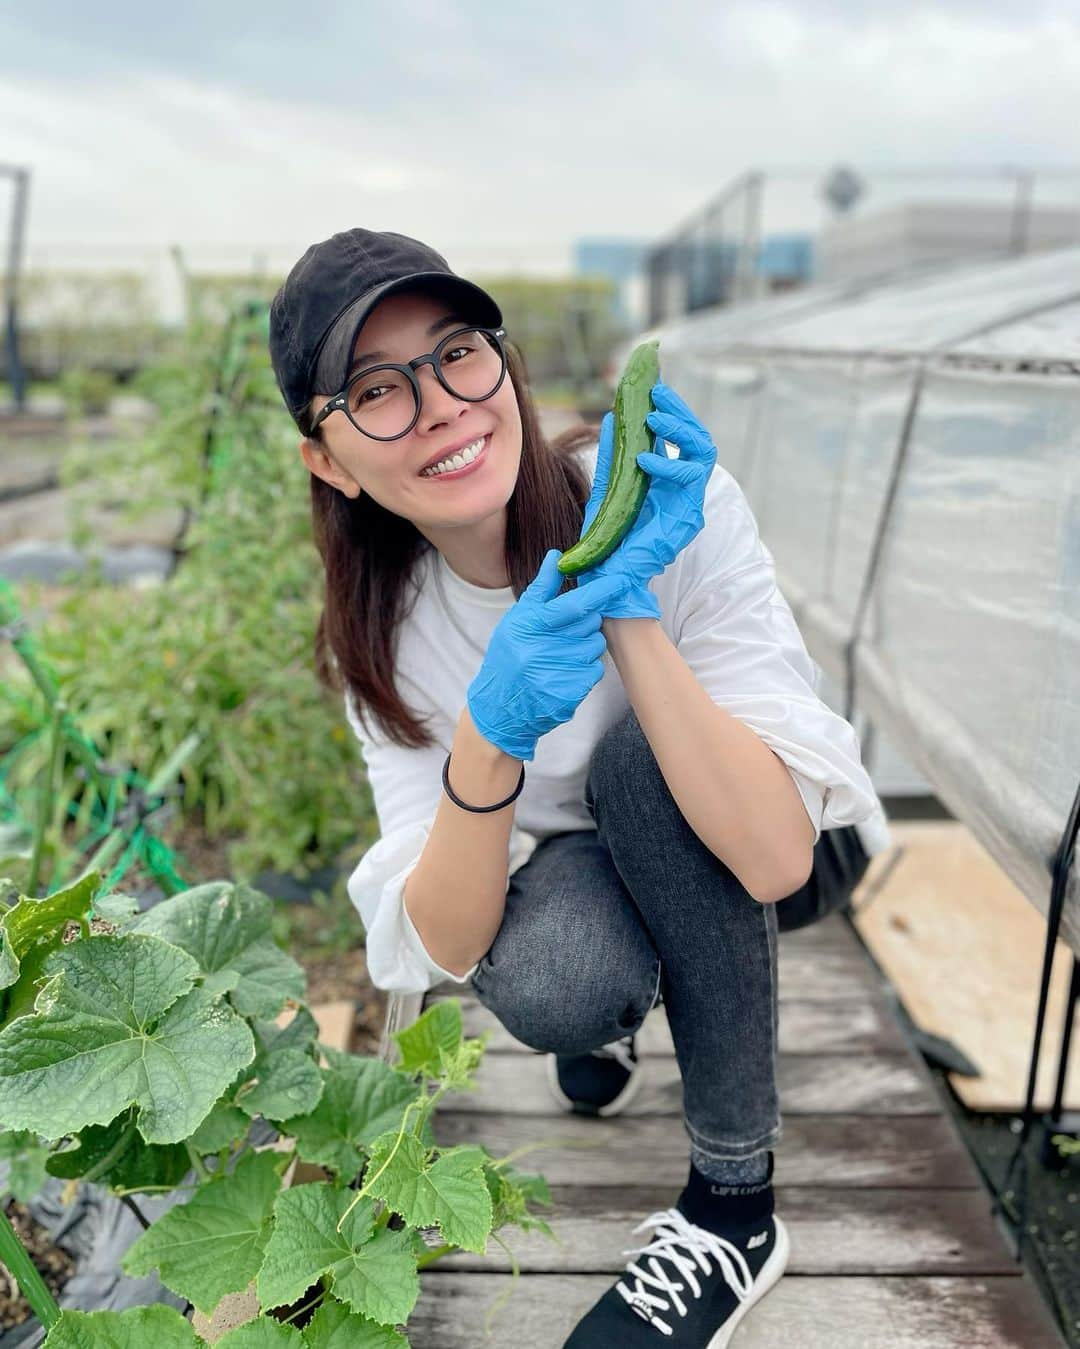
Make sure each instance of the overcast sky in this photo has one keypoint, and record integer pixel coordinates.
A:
(498, 131)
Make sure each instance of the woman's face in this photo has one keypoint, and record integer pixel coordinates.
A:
(390, 471)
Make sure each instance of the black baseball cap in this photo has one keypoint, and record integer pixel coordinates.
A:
(315, 316)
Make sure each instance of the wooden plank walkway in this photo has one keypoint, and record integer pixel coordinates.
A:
(893, 1243)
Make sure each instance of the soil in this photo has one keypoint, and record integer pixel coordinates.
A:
(1051, 1246)
(55, 1266)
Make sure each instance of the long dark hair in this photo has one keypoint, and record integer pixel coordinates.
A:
(370, 554)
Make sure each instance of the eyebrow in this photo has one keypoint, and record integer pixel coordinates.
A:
(370, 356)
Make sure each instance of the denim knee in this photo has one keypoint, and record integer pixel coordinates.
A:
(569, 1003)
(621, 755)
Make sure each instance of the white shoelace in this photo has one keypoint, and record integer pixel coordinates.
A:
(619, 1050)
(687, 1247)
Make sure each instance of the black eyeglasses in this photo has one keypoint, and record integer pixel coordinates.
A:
(383, 401)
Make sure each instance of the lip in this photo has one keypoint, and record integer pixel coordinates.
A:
(458, 472)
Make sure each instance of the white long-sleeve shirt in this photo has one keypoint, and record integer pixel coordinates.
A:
(720, 606)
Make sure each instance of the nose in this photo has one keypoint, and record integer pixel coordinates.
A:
(436, 405)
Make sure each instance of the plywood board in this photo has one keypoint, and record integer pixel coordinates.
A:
(963, 947)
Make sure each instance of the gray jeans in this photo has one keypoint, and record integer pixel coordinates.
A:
(600, 923)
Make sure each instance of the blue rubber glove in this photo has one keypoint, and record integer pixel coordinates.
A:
(673, 511)
(542, 659)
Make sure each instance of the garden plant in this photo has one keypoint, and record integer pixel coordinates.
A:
(171, 1051)
(222, 649)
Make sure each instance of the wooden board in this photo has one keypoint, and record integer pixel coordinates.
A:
(832, 1232)
(806, 1027)
(845, 1084)
(336, 1021)
(963, 947)
(841, 1151)
(996, 1312)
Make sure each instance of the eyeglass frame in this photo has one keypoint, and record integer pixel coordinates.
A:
(340, 402)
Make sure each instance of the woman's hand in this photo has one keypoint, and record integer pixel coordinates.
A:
(673, 511)
(542, 659)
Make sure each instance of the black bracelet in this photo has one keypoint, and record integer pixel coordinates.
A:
(480, 810)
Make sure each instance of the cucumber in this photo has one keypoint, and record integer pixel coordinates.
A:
(627, 481)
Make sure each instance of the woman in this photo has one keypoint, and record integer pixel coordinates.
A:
(682, 768)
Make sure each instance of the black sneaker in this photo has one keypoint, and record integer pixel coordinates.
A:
(602, 1082)
(689, 1288)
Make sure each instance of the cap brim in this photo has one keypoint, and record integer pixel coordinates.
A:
(335, 355)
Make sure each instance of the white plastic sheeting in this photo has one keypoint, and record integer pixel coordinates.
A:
(968, 653)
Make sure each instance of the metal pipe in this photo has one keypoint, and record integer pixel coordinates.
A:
(16, 374)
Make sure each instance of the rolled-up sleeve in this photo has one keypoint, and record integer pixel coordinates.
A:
(397, 959)
(406, 788)
(406, 785)
(737, 633)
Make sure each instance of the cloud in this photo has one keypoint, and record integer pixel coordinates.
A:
(501, 133)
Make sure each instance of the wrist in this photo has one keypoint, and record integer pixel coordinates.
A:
(482, 750)
(638, 602)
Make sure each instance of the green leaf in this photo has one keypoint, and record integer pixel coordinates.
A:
(335, 1327)
(9, 961)
(432, 1040)
(227, 928)
(31, 921)
(138, 1166)
(284, 1082)
(119, 1024)
(213, 1244)
(137, 1328)
(26, 1155)
(374, 1272)
(362, 1098)
(265, 1333)
(450, 1191)
(116, 908)
(511, 1191)
(224, 1126)
(33, 930)
(300, 1033)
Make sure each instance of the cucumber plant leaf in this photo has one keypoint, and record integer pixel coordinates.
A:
(32, 930)
(335, 1327)
(119, 1024)
(9, 961)
(224, 1126)
(25, 1155)
(136, 1166)
(282, 1083)
(227, 928)
(262, 1334)
(213, 1244)
(373, 1272)
(432, 1040)
(136, 1328)
(301, 1032)
(451, 1191)
(361, 1099)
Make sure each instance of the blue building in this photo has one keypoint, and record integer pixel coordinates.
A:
(783, 261)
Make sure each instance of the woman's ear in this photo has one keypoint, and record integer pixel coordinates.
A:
(322, 465)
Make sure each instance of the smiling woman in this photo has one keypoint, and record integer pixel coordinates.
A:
(684, 765)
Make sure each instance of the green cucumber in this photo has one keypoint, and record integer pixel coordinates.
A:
(627, 481)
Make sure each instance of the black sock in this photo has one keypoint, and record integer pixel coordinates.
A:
(738, 1212)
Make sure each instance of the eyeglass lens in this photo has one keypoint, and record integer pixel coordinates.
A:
(382, 401)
